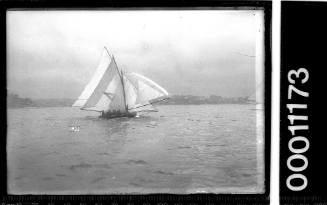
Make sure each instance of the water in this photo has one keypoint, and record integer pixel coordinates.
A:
(180, 149)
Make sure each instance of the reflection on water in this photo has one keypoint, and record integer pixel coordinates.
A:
(181, 149)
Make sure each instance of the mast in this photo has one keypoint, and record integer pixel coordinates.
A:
(107, 52)
(121, 79)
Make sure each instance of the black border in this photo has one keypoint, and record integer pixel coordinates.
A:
(132, 4)
(303, 45)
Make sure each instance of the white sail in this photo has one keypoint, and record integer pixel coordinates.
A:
(112, 98)
(105, 90)
(91, 86)
(147, 91)
(133, 96)
(131, 92)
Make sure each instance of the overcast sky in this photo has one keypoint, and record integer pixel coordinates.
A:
(53, 54)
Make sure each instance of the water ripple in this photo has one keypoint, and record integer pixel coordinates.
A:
(163, 172)
(97, 179)
(138, 162)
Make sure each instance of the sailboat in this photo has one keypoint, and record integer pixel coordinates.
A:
(116, 93)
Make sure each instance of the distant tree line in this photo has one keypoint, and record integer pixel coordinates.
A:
(14, 101)
(197, 100)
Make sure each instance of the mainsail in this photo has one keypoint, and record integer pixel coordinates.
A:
(110, 89)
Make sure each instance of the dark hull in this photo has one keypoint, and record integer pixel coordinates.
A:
(117, 115)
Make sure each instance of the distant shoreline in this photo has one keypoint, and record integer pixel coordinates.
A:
(14, 101)
(37, 107)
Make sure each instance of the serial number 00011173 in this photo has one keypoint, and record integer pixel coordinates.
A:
(296, 78)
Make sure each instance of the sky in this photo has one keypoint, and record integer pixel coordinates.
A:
(53, 54)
